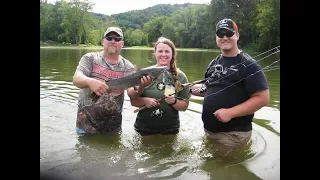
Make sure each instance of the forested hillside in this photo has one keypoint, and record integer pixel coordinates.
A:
(188, 25)
(136, 19)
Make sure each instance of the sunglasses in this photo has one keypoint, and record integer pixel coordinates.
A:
(228, 34)
(116, 38)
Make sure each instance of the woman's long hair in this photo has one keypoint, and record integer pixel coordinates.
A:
(173, 66)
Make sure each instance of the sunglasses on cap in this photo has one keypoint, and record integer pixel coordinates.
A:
(116, 38)
(227, 33)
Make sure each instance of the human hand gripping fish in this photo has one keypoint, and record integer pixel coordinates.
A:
(98, 87)
(183, 86)
(133, 79)
(151, 102)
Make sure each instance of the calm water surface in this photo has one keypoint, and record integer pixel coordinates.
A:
(124, 155)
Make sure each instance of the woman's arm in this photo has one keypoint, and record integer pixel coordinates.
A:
(178, 104)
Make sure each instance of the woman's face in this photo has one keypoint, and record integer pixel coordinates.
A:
(163, 54)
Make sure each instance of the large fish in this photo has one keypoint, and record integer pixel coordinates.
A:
(132, 79)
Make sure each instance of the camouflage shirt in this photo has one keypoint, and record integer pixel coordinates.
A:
(105, 114)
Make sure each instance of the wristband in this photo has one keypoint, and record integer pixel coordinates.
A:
(175, 101)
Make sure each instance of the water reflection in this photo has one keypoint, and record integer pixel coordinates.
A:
(128, 155)
(157, 157)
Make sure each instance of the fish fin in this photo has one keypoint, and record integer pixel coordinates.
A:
(136, 68)
(131, 71)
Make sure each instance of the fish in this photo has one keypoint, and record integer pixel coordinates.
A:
(183, 86)
(132, 79)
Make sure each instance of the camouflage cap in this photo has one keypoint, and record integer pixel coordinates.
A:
(114, 29)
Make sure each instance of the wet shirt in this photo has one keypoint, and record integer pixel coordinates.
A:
(163, 118)
(231, 81)
(104, 114)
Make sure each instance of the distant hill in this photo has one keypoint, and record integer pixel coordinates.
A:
(136, 18)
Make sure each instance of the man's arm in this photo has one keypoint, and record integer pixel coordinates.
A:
(81, 81)
(134, 93)
(134, 96)
(138, 101)
(198, 90)
(256, 101)
(256, 85)
(81, 77)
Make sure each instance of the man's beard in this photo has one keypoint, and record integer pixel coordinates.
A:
(112, 50)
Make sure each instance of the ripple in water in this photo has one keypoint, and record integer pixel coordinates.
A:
(58, 90)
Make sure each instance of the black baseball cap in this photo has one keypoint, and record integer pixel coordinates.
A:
(228, 24)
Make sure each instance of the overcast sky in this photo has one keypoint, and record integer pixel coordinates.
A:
(109, 7)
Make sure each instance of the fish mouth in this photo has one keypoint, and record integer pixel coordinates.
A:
(160, 72)
(157, 73)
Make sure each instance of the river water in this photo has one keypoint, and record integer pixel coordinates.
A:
(125, 155)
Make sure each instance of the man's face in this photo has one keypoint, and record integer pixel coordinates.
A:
(112, 43)
(226, 40)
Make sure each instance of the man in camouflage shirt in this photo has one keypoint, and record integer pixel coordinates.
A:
(93, 70)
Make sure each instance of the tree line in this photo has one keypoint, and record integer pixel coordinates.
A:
(188, 25)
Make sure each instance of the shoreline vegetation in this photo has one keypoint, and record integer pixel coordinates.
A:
(187, 25)
(83, 46)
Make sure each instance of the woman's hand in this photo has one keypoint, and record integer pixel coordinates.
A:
(145, 81)
(170, 99)
(150, 102)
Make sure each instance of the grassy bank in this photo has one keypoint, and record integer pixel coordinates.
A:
(73, 46)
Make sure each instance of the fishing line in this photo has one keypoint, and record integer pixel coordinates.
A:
(239, 80)
(201, 81)
(250, 64)
(271, 69)
(256, 60)
(278, 50)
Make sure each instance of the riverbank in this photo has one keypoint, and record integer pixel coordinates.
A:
(51, 44)
(83, 46)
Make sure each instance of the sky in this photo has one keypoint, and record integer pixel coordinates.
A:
(109, 7)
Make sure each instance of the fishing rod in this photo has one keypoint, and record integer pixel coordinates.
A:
(183, 87)
(239, 80)
(203, 80)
